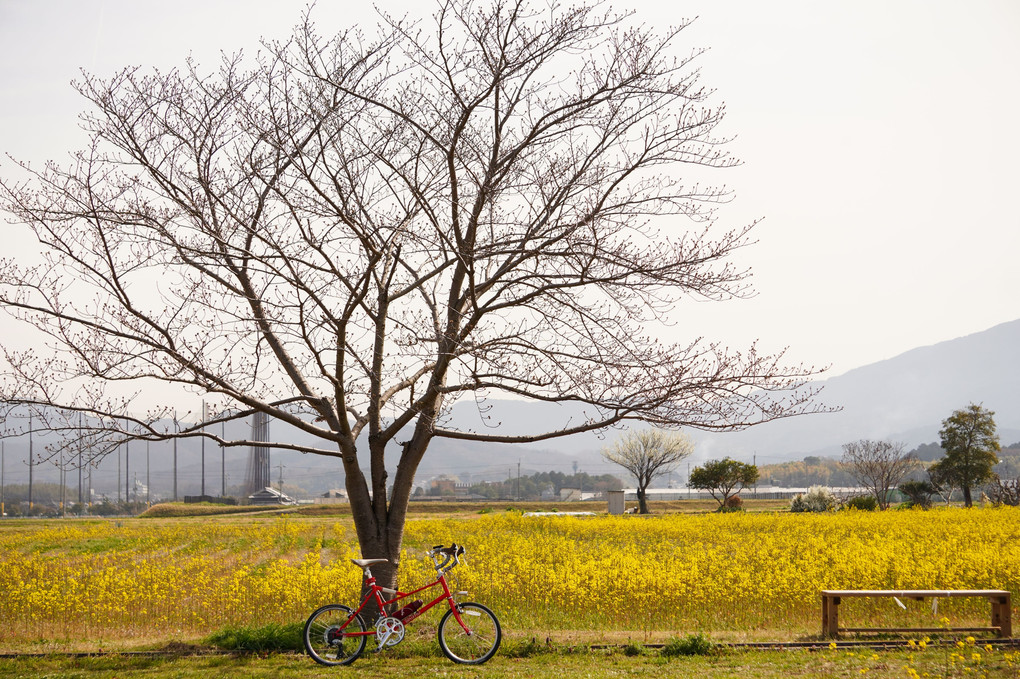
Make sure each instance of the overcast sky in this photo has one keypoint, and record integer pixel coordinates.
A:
(879, 139)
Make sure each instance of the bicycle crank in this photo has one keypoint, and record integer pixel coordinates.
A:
(389, 631)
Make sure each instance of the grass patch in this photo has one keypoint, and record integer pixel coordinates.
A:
(166, 510)
(633, 649)
(270, 638)
(692, 644)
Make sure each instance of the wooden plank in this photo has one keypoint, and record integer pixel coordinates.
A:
(908, 593)
(830, 616)
(1002, 611)
(919, 629)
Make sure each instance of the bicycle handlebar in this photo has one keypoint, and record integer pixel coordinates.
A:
(452, 553)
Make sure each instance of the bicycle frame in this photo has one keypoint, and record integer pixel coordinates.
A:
(468, 633)
(376, 591)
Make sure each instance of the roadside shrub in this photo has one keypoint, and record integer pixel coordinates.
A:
(864, 503)
(735, 502)
(633, 649)
(817, 499)
(692, 644)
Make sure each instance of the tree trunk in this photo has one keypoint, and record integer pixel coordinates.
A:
(386, 574)
(967, 499)
(379, 521)
(642, 501)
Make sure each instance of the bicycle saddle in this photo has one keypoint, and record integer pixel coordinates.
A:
(365, 563)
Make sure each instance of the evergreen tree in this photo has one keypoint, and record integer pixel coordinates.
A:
(969, 439)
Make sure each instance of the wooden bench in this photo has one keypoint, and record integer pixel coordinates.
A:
(999, 599)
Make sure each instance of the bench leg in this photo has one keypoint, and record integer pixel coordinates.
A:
(1002, 615)
(830, 616)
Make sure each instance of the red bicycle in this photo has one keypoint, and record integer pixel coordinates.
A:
(468, 633)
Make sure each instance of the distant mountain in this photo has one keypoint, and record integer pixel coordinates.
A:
(900, 399)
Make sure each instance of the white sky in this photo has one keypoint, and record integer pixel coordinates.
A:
(879, 137)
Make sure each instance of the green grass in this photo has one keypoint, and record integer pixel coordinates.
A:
(551, 663)
(264, 638)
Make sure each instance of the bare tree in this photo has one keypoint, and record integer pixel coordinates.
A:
(647, 454)
(878, 465)
(1005, 492)
(349, 233)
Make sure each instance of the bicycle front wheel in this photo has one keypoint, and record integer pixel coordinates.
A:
(334, 635)
(474, 639)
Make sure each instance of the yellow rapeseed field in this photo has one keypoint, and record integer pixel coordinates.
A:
(680, 573)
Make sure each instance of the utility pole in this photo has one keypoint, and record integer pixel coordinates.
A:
(203, 451)
(175, 456)
(518, 479)
(31, 464)
(281, 480)
(754, 462)
(127, 467)
(63, 486)
(3, 468)
(148, 481)
(223, 460)
(81, 503)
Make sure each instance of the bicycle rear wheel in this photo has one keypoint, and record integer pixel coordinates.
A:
(475, 644)
(334, 635)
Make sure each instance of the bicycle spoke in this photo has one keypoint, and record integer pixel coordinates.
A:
(333, 637)
(473, 645)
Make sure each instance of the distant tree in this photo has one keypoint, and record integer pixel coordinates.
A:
(648, 453)
(532, 486)
(878, 465)
(969, 439)
(722, 478)
(918, 492)
(928, 452)
(812, 471)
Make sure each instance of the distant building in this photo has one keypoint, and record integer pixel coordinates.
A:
(570, 494)
(445, 485)
(270, 496)
(332, 496)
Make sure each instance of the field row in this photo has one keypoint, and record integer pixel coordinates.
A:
(745, 574)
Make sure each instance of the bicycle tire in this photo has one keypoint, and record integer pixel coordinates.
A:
(472, 647)
(325, 635)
